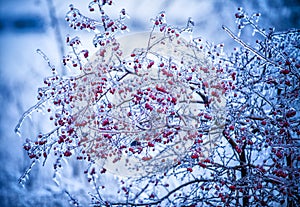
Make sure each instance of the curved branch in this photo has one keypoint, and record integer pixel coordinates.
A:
(164, 197)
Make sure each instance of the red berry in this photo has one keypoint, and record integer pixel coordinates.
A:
(194, 156)
(239, 150)
(67, 153)
(27, 147)
(202, 165)
(103, 170)
(105, 122)
(208, 117)
(232, 187)
(86, 54)
(291, 113)
(285, 71)
(150, 144)
(207, 160)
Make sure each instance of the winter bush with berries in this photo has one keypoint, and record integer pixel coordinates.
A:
(163, 118)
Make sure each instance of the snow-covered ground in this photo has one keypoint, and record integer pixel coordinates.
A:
(26, 26)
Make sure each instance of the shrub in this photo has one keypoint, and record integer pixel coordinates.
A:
(179, 122)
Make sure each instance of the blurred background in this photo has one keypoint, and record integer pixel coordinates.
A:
(28, 25)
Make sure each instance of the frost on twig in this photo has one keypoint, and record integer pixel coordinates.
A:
(174, 121)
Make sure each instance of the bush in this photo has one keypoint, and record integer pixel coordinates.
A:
(178, 122)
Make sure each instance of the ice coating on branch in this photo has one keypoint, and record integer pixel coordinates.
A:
(149, 89)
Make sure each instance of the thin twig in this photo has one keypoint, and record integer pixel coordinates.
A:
(238, 40)
(166, 196)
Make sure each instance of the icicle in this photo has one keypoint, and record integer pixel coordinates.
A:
(190, 25)
(23, 179)
(27, 114)
(40, 52)
(56, 177)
